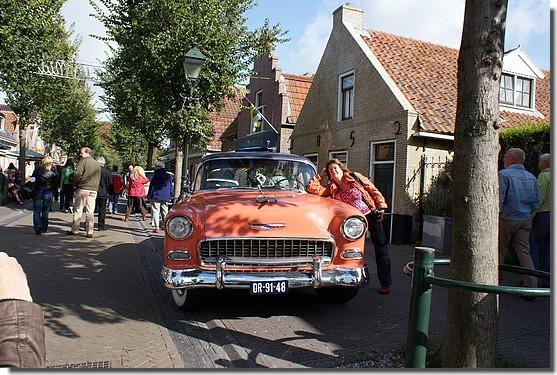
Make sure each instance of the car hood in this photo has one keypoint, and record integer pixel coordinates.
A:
(233, 213)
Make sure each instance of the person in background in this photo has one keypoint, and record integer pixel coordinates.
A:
(14, 184)
(117, 189)
(540, 235)
(87, 176)
(105, 186)
(356, 190)
(518, 199)
(160, 193)
(46, 182)
(22, 337)
(136, 192)
(62, 200)
(67, 183)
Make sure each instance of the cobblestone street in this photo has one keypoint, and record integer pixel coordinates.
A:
(104, 306)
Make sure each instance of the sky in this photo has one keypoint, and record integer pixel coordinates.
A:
(309, 23)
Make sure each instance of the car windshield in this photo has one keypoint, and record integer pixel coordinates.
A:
(254, 174)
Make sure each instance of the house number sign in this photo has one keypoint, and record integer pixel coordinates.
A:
(352, 138)
(397, 127)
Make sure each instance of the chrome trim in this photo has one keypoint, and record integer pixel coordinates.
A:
(266, 226)
(317, 272)
(342, 228)
(221, 265)
(179, 251)
(329, 239)
(274, 262)
(354, 250)
(195, 278)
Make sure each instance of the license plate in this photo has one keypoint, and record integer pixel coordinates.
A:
(269, 287)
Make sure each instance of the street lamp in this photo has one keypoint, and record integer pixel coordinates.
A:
(193, 63)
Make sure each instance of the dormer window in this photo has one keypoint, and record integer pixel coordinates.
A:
(516, 91)
(2, 120)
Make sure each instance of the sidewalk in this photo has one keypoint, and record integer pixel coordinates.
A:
(104, 307)
(97, 306)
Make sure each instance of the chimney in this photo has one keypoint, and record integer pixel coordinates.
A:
(348, 14)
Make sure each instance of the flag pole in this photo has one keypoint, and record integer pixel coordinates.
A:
(264, 118)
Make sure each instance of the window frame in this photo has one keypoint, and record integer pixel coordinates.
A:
(516, 93)
(339, 152)
(316, 154)
(2, 121)
(372, 164)
(341, 97)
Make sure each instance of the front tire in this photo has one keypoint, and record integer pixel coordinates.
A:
(186, 299)
(337, 295)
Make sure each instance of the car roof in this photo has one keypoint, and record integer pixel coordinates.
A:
(255, 155)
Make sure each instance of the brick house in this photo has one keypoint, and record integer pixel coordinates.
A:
(382, 102)
(279, 97)
(9, 140)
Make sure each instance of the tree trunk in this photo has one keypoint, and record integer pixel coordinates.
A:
(472, 317)
(150, 150)
(178, 168)
(22, 151)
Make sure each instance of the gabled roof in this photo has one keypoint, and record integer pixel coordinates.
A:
(223, 119)
(297, 88)
(5, 108)
(426, 73)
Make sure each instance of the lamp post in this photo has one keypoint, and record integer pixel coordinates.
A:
(193, 63)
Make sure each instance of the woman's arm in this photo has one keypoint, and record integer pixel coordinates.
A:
(314, 187)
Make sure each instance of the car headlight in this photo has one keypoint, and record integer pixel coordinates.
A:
(353, 228)
(179, 227)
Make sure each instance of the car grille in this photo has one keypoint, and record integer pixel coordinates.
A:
(265, 248)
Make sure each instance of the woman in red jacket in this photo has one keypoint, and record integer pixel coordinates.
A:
(356, 190)
(136, 192)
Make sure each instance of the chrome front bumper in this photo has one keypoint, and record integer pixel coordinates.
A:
(220, 278)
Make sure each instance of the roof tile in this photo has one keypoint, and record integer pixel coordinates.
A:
(426, 73)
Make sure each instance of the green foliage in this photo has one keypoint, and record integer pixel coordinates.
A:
(145, 86)
(533, 138)
(31, 31)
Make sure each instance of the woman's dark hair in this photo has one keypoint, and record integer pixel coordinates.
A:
(337, 162)
(70, 162)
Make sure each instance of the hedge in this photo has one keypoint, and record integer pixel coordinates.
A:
(532, 138)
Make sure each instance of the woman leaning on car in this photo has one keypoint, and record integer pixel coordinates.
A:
(356, 190)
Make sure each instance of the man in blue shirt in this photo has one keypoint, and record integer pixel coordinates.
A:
(518, 199)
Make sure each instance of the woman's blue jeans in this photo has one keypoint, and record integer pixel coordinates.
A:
(42, 200)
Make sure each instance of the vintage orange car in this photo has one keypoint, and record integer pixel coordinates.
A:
(248, 223)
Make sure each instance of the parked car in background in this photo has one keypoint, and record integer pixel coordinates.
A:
(249, 224)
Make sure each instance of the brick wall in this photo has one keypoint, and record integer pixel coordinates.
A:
(375, 112)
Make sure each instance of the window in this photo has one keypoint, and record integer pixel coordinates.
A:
(523, 89)
(346, 96)
(342, 156)
(506, 89)
(515, 91)
(314, 158)
(2, 119)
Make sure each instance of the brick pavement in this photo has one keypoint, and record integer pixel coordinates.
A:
(95, 299)
(135, 323)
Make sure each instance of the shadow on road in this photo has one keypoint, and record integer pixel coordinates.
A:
(104, 281)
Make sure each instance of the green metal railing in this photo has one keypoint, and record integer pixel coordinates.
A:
(420, 302)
